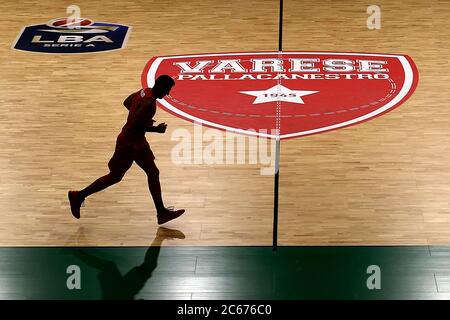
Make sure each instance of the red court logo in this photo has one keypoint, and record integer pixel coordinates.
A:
(285, 94)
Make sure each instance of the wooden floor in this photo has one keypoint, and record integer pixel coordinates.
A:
(383, 182)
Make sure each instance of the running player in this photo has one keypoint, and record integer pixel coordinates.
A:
(131, 145)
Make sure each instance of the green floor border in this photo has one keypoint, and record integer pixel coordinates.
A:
(291, 272)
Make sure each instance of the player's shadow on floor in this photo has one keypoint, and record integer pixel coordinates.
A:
(113, 284)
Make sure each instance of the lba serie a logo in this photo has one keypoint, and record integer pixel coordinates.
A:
(72, 35)
(283, 94)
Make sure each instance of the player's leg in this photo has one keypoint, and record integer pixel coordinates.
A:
(100, 184)
(76, 198)
(146, 161)
(118, 165)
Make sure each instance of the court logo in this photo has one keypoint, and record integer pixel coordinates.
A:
(283, 94)
(72, 35)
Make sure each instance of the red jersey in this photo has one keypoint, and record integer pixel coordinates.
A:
(139, 118)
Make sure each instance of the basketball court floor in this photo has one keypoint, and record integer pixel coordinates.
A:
(382, 186)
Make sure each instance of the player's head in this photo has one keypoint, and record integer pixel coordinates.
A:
(162, 86)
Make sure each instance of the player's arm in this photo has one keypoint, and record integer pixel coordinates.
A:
(143, 110)
(149, 127)
(142, 114)
(142, 117)
(160, 128)
(129, 100)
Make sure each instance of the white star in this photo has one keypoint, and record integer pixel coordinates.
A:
(278, 93)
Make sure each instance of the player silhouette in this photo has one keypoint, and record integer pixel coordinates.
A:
(131, 145)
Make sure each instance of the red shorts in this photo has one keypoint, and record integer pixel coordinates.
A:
(125, 153)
